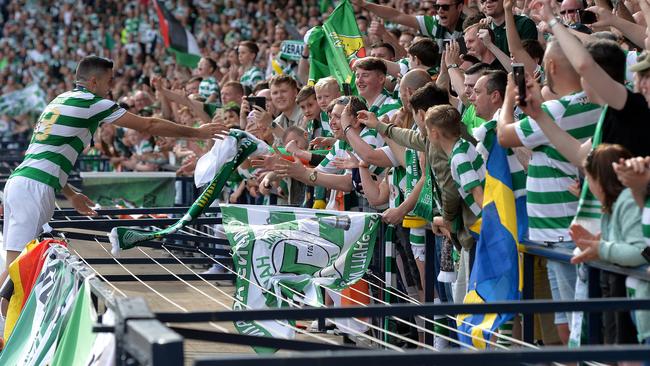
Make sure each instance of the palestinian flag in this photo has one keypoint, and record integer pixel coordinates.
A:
(177, 38)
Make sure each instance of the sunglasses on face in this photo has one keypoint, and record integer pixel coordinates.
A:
(444, 7)
(569, 11)
(490, 1)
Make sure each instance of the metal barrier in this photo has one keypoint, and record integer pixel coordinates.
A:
(344, 354)
(140, 338)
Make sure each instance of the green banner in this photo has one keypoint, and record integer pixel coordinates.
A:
(39, 327)
(280, 252)
(130, 189)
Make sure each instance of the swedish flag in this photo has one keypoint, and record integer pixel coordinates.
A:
(496, 275)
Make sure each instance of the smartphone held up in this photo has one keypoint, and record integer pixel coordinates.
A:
(520, 80)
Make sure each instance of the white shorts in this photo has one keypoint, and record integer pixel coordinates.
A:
(419, 252)
(28, 205)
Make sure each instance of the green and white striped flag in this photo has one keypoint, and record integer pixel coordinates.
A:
(280, 252)
(214, 168)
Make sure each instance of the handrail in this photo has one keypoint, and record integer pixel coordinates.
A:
(564, 255)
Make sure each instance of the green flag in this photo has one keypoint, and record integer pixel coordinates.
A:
(278, 251)
(77, 341)
(39, 327)
(335, 45)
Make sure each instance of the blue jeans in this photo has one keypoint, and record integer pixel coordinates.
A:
(562, 279)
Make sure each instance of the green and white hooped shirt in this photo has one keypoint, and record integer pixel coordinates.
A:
(551, 207)
(209, 86)
(342, 149)
(385, 104)
(63, 130)
(468, 171)
(251, 77)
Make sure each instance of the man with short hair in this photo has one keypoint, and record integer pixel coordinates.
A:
(370, 78)
(447, 24)
(383, 51)
(64, 129)
(422, 54)
(570, 11)
(487, 94)
(551, 206)
(232, 92)
(526, 27)
(283, 96)
(476, 48)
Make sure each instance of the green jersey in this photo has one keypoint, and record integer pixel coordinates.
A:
(468, 171)
(251, 77)
(64, 129)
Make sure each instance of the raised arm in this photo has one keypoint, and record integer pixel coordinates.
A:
(456, 75)
(388, 13)
(377, 28)
(179, 98)
(634, 32)
(609, 90)
(506, 130)
(514, 41)
(504, 60)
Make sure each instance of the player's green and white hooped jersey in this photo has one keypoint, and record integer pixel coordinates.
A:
(63, 130)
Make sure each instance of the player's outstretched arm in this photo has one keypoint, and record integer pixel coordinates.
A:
(162, 127)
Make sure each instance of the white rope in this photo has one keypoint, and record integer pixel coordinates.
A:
(246, 305)
(139, 280)
(415, 301)
(406, 322)
(352, 331)
(216, 326)
(98, 274)
(399, 336)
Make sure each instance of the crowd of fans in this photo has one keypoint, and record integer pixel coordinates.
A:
(434, 96)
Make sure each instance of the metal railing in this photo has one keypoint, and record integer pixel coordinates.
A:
(140, 338)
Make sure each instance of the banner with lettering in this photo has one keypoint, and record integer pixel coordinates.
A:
(283, 253)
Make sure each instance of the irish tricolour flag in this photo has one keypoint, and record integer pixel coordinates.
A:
(177, 38)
